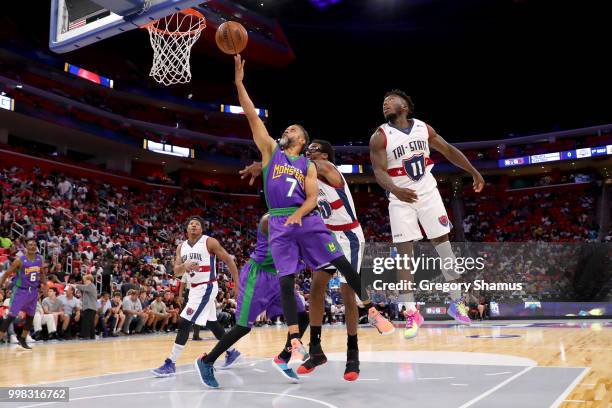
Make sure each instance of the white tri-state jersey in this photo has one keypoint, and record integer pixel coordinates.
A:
(408, 161)
(336, 204)
(205, 260)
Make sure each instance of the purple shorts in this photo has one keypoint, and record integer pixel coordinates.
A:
(311, 242)
(259, 291)
(24, 300)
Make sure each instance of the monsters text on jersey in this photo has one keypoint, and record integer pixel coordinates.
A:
(283, 169)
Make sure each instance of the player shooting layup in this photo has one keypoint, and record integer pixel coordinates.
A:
(338, 212)
(296, 230)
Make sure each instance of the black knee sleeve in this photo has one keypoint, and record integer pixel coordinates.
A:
(349, 273)
(216, 328)
(184, 327)
(6, 323)
(287, 287)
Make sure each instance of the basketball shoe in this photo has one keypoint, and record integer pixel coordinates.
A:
(351, 372)
(298, 351)
(231, 357)
(377, 320)
(413, 320)
(317, 358)
(459, 311)
(23, 344)
(168, 369)
(206, 372)
(283, 368)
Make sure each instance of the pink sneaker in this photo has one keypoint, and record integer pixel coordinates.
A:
(377, 320)
(298, 351)
(419, 318)
(414, 319)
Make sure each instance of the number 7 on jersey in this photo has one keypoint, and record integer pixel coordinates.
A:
(293, 184)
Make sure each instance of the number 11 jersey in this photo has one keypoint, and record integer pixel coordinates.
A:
(408, 161)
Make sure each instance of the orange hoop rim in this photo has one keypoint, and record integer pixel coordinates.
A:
(189, 11)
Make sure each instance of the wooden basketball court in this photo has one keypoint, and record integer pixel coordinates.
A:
(449, 364)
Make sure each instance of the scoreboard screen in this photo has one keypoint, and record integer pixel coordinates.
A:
(556, 156)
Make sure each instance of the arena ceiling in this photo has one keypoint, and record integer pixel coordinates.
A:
(476, 69)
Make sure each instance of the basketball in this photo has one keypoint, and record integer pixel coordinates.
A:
(231, 37)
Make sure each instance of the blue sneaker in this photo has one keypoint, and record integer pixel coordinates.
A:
(206, 373)
(231, 356)
(283, 368)
(168, 369)
(459, 311)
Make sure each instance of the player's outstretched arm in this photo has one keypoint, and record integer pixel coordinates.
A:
(254, 170)
(311, 188)
(264, 142)
(455, 156)
(329, 172)
(10, 272)
(378, 157)
(214, 247)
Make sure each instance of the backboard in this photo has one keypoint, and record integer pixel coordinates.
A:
(78, 23)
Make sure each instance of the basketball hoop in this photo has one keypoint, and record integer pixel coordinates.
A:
(172, 38)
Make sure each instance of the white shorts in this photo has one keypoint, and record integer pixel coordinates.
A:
(429, 211)
(201, 305)
(352, 243)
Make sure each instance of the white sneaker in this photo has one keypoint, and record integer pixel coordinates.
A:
(14, 339)
(29, 339)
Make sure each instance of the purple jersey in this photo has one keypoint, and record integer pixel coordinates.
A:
(284, 178)
(28, 275)
(261, 255)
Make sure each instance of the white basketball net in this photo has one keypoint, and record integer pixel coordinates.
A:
(172, 38)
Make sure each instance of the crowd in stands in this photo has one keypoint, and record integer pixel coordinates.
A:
(120, 241)
(554, 215)
(88, 227)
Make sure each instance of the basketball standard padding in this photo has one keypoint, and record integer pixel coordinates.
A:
(231, 37)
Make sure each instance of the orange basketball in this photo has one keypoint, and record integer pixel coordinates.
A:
(231, 37)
